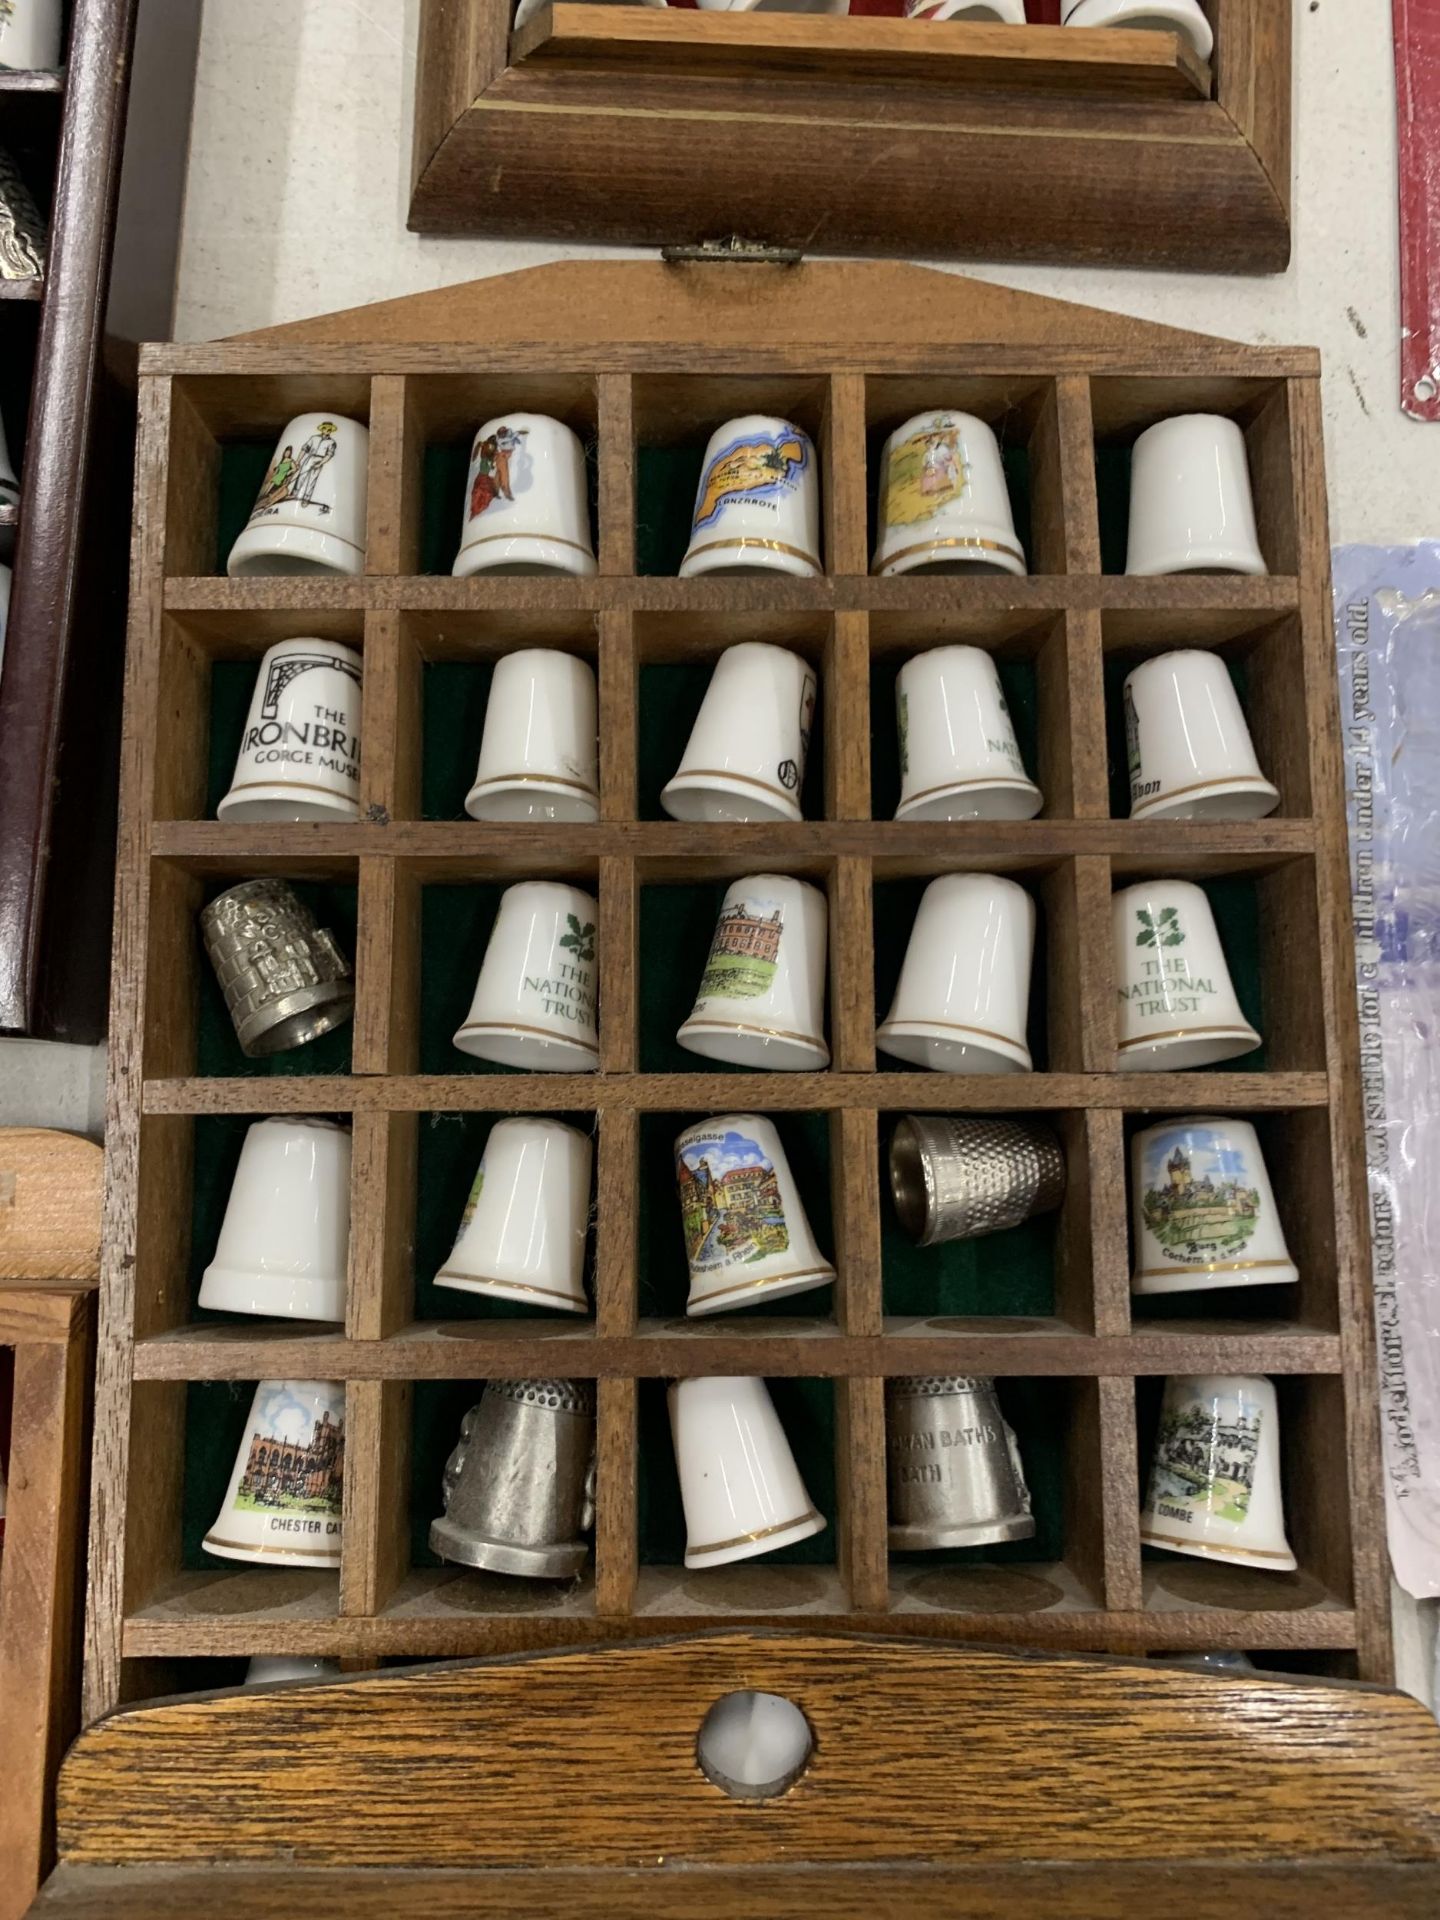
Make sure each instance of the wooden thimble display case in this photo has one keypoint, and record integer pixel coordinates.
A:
(645, 362)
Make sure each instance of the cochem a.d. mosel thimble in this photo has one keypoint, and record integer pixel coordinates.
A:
(954, 1466)
(520, 1485)
(958, 1178)
(283, 975)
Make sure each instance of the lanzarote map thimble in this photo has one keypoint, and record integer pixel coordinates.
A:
(958, 1178)
(284, 977)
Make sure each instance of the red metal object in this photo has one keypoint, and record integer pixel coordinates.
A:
(1417, 87)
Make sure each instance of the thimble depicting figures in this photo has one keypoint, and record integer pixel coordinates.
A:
(527, 506)
(24, 234)
(944, 505)
(299, 755)
(522, 1234)
(284, 977)
(761, 998)
(1215, 1479)
(739, 1484)
(1204, 1209)
(284, 1502)
(309, 515)
(538, 751)
(954, 1178)
(1178, 1008)
(1180, 16)
(520, 1485)
(32, 35)
(959, 759)
(962, 1001)
(954, 1465)
(534, 1003)
(745, 758)
(757, 508)
(1187, 747)
(746, 1234)
(285, 1241)
(1192, 509)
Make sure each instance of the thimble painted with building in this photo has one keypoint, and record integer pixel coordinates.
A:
(534, 1003)
(1178, 1008)
(761, 1000)
(1187, 746)
(284, 977)
(527, 506)
(285, 1241)
(957, 1178)
(1192, 509)
(963, 996)
(538, 751)
(739, 1484)
(24, 232)
(1180, 16)
(747, 1237)
(300, 752)
(954, 1466)
(1005, 13)
(745, 758)
(32, 35)
(1204, 1210)
(309, 515)
(1214, 1487)
(959, 759)
(757, 508)
(286, 1495)
(943, 503)
(520, 1486)
(522, 1234)
(9, 479)
(267, 1669)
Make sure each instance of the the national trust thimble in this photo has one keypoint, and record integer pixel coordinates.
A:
(957, 1178)
(520, 1485)
(284, 977)
(954, 1466)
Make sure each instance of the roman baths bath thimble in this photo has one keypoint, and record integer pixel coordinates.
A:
(285, 1241)
(1191, 506)
(309, 515)
(954, 1466)
(746, 1234)
(745, 758)
(739, 1483)
(284, 977)
(284, 1502)
(757, 508)
(527, 506)
(522, 1234)
(1203, 1209)
(534, 1003)
(1215, 1476)
(958, 1178)
(963, 997)
(520, 1485)
(299, 755)
(32, 35)
(538, 755)
(943, 503)
(1187, 747)
(1180, 16)
(761, 998)
(1178, 1008)
(959, 759)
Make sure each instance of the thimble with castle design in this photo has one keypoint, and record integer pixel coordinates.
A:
(283, 975)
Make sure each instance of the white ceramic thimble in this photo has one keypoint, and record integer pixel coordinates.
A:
(739, 1483)
(9, 479)
(284, 1502)
(299, 755)
(1178, 1007)
(1215, 1476)
(761, 999)
(943, 502)
(538, 750)
(1187, 746)
(959, 759)
(964, 992)
(757, 508)
(747, 1237)
(32, 35)
(309, 515)
(1007, 13)
(527, 509)
(265, 1669)
(285, 1242)
(522, 1234)
(1179, 16)
(745, 758)
(1191, 505)
(534, 1003)
(1204, 1210)
(528, 9)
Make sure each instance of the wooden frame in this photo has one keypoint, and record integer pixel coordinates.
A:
(859, 135)
(643, 341)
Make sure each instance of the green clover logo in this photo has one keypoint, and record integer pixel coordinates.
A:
(1161, 929)
(580, 940)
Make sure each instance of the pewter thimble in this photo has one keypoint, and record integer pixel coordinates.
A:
(520, 1486)
(23, 233)
(284, 978)
(956, 1179)
(955, 1473)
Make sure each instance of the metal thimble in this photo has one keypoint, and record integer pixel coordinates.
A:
(956, 1179)
(23, 233)
(954, 1467)
(284, 978)
(520, 1486)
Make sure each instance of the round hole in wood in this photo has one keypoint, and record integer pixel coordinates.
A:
(754, 1746)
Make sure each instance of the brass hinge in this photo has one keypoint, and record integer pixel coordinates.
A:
(753, 253)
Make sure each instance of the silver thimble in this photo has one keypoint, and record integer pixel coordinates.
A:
(284, 978)
(956, 1179)
(23, 233)
(955, 1473)
(520, 1486)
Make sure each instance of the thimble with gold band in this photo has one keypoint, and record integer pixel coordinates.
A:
(284, 977)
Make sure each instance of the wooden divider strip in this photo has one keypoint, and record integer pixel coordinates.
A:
(1074, 429)
(845, 500)
(397, 452)
(845, 694)
(375, 1553)
(862, 1550)
(387, 969)
(855, 1212)
(619, 959)
(1089, 748)
(380, 1293)
(1115, 1471)
(852, 967)
(1095, 965)
(616, 1497)
(615, 412)
(1106, 1159)
(617, 1181)
(618, 709)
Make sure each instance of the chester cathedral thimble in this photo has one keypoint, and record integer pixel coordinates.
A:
(954, 1178)
(284, 977)
(520, 1485)
(954, 1466)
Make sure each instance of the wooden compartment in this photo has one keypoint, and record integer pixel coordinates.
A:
(649, 358)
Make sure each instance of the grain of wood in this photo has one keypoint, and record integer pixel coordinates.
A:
(50, 1194)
